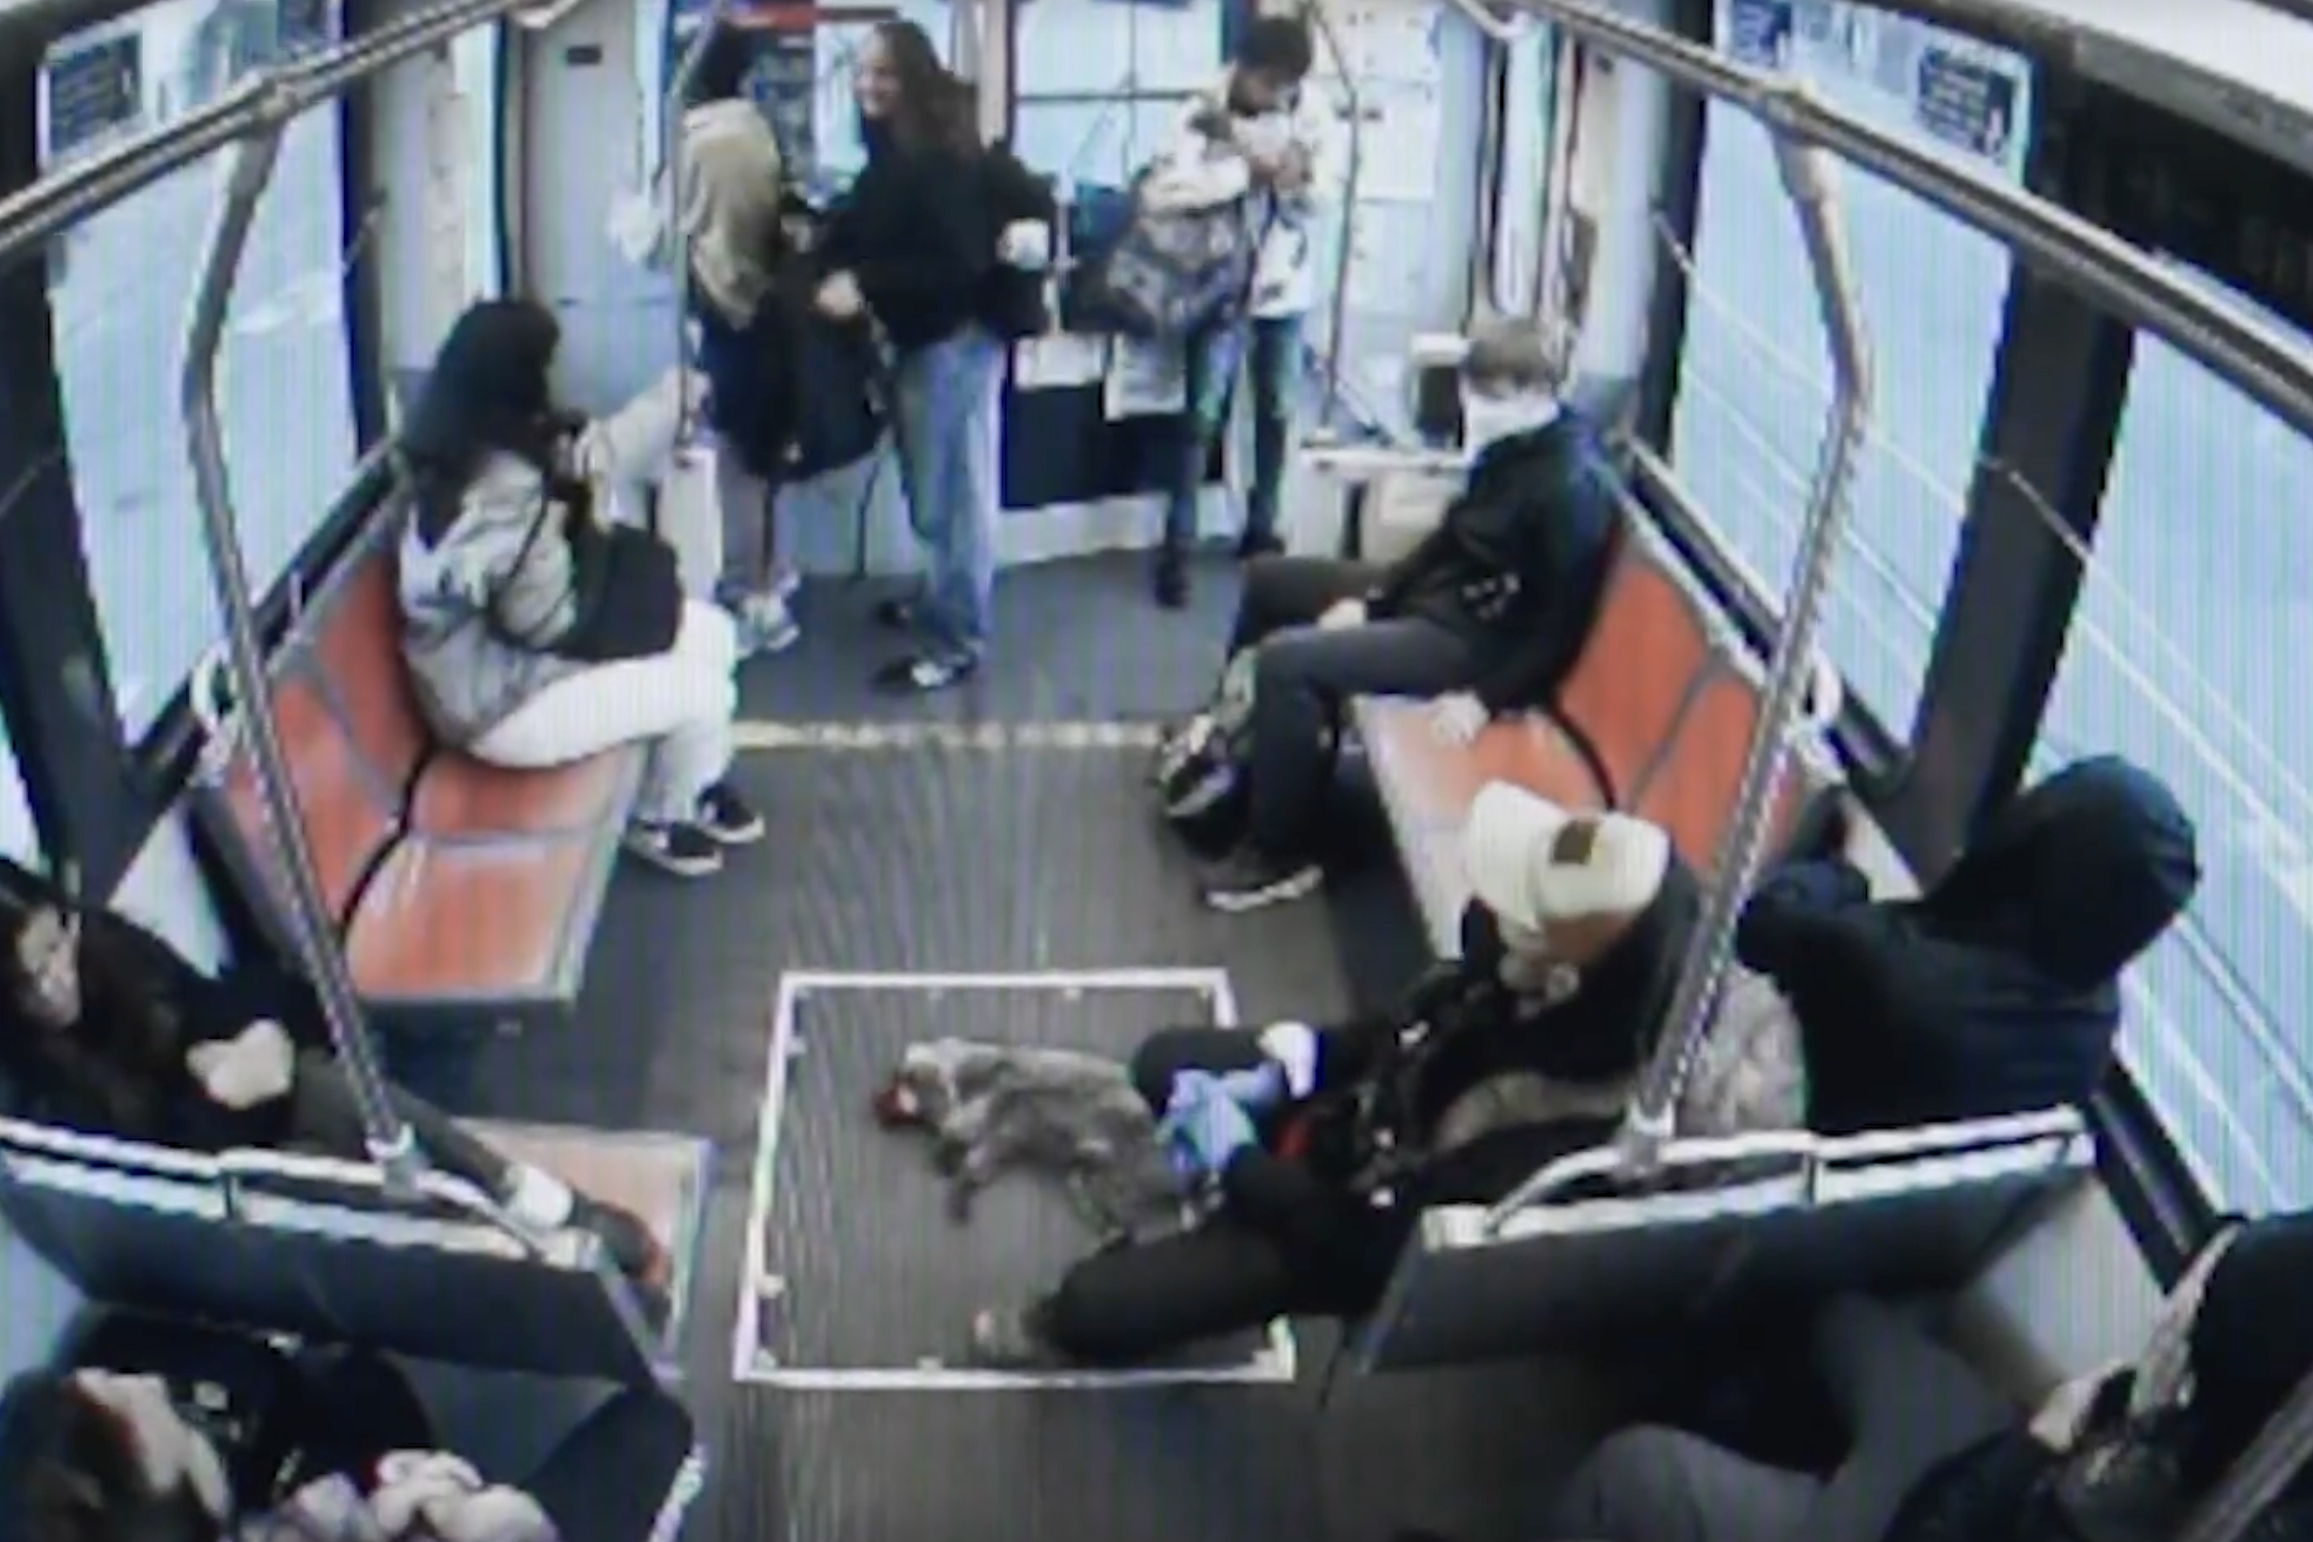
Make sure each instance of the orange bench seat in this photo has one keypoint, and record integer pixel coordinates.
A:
(455, 886)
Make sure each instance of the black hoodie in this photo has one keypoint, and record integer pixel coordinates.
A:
(1997, 991)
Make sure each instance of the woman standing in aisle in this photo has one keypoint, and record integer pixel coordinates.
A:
(909, 249)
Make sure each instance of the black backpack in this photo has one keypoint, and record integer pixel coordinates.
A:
(1012, 300)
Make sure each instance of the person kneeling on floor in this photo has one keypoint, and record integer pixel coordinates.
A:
(1325, 1144)
(1486, 614)
(106, 1030)
(163, 1432)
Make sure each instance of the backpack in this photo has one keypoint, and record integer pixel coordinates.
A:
(1012, 299)
(1199, 769)
(1173, 272)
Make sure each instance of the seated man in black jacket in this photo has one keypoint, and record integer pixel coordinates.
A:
(1998, 990)
(1326, 1143)
(1487, 613)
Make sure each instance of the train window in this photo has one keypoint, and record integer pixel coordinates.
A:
(2198, 598)
(836, 151)
(1521, 190)
(1754, 379)
(19, 839)
(1102, 89)
(474, 68)
(119, 288)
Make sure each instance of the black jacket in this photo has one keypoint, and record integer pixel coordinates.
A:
(122, 1072)
(1997, 992)
(1519, 561)
(1394, 1077)
(916, 232)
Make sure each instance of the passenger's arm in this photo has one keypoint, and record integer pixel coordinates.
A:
(1317, 137)
(637, 443)
(951, 246)
(1402, 575)
(1799, 914)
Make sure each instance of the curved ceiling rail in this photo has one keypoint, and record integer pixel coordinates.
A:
(2259, 357)
(269, 99)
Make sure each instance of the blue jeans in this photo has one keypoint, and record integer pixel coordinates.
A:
(1274, 343)
(946, 430)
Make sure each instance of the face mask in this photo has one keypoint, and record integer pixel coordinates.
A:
(1487, 419)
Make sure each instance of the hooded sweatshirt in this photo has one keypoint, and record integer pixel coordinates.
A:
(1997, 992)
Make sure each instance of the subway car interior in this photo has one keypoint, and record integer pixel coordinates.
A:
(707, 1061)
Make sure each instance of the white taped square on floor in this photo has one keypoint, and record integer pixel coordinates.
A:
(855, 1276)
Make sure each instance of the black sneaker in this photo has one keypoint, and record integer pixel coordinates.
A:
(896, 615)
(926, 672)
(1012, 1339)
(1265, 544)
(679, 847)
(1249, 879)
(727, 819)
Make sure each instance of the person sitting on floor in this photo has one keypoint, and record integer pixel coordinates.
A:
(538, 633)
(1486, 614)
(1996, 992)
(131, 1445)
(1326, 1143)
(1934, 1454)
(107, 1030)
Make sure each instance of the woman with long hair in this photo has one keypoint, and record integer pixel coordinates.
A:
(530, 641)
(107, 1030)
(910, 249)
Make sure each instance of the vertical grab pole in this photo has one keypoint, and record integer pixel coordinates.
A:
(390, 1142)
(673, 159)
(2259, 1474)
(1345, 237)
(1810, 181)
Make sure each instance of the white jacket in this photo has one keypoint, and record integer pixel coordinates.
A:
(1197, 172)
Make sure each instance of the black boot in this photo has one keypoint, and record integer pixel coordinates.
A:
(1171, 578)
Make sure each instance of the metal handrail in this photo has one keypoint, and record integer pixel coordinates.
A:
(674, 160)
(1808, 181)
(269, 99)
(2259, 356)
(311, 928)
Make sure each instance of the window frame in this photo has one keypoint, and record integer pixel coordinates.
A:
(1979, 759)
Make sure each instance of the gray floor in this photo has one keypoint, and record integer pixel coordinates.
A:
(877, 1274)
(1033, 859)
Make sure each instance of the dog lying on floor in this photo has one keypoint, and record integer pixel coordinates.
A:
(993, 1108)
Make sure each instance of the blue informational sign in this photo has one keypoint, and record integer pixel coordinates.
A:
(1966, 102)
(1759, 32)
(94, 89)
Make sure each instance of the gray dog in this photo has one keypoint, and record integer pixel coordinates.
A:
(1068, 1115)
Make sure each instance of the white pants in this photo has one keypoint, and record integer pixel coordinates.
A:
(680, 701)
